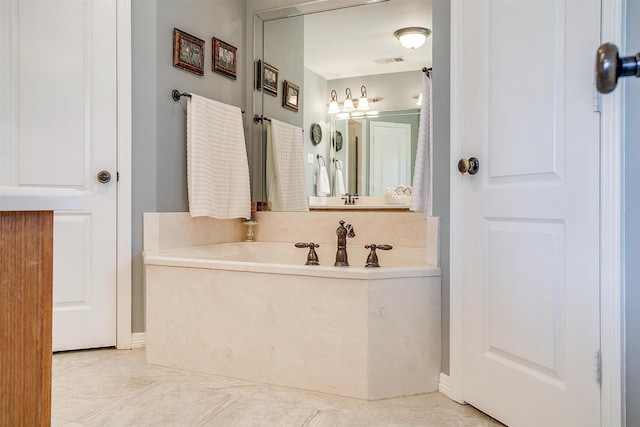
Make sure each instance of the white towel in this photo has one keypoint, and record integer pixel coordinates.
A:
(217, 166)
(340, 190)
(286, 189)
(323, 188)
(421, 194)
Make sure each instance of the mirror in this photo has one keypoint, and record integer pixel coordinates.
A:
(348, 49)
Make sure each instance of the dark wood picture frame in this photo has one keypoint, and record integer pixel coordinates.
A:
(290, 96)
(188, 52)
(258, 75)
(224, 59)
(270, 79)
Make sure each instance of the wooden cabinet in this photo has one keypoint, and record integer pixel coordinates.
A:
(26, 259)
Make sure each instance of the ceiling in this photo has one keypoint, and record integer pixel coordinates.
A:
(347, 42)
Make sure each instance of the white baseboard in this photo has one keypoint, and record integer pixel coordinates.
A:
(139, 340)
(444, 386)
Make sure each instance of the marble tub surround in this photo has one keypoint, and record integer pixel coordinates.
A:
(170, 230)
(368, 333)
(397, 228)
(368, 339)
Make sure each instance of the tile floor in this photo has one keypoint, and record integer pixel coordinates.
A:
(117, 388)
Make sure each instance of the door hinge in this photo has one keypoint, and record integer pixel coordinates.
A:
(597, 368)
(597, 100)
(117, 176)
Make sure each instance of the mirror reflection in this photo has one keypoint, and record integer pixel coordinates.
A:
(348, 55)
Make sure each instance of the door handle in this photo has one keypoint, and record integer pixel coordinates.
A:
(103, 177)
(609, 67)
(470, 166)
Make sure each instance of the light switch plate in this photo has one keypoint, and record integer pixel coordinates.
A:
(309, 158)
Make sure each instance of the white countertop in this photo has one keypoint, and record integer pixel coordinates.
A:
(40, 199)
(361, 203)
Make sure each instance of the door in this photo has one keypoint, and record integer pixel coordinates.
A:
(63, 110)
(530, 220)
(390, 163)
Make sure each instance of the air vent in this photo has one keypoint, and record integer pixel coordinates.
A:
(388, 60)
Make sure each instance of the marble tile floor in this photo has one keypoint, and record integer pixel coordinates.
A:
(118, 388)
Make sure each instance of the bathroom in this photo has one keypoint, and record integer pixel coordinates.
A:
(158, 172)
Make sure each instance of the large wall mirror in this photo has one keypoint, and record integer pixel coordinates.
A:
(331, 54)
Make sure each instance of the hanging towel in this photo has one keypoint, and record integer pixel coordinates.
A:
(340, 190)
(323, 186)
(421, 192)
(286, 189)
(217, 166)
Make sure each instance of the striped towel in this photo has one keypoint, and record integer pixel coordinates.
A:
(285, 168)
(217, 166)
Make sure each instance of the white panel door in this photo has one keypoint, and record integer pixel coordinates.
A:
(530, 285)
(390, 151)
(64, 133)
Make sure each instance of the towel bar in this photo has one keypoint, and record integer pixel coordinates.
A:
(258, 119)
(176, 95)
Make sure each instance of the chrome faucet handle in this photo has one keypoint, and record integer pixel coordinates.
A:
(312, 257)
(372, 259)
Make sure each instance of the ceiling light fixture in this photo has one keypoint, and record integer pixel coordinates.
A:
(412, 37)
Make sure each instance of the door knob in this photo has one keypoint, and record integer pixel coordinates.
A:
(609, 66)
(470, 166)
(103, 177)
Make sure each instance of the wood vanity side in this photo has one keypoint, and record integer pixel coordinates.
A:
(26, 278)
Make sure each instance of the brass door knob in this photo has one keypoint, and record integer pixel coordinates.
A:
(470, 166)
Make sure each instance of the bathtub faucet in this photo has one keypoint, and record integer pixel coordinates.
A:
(343, 232)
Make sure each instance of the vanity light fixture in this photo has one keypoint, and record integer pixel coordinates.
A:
(363, 102)
(372, 113)
(347, 106)
(350, 108)
(412, 37)
(333, 105)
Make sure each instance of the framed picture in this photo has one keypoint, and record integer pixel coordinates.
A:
(290, 96)
(270, 79)
(225, 58)
(188, 52)
(258, 75)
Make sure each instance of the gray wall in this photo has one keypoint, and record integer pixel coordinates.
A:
(441, 161)
(159, 139)
(315, 111)
(632, 221)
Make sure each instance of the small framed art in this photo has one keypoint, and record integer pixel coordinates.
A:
(225, 58)
(270, 79)
(290, 96)
(188, 52)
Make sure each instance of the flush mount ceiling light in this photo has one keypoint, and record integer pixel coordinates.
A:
(412, 37)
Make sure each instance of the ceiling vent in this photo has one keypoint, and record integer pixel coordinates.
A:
(388, 60)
